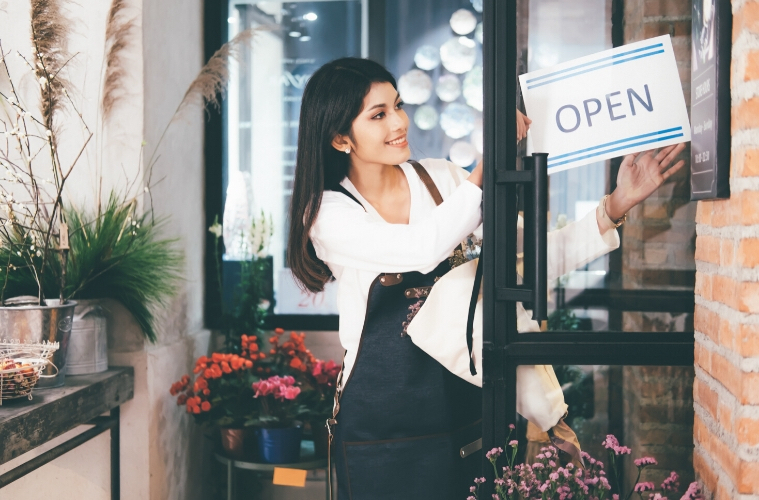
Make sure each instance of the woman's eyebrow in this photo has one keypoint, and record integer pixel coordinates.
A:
(382, 105)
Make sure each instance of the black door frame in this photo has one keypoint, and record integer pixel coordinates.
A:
(503, 347)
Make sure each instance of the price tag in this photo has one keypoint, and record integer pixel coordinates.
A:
(290, 477)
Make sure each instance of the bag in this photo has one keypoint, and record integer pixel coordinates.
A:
(440, 326)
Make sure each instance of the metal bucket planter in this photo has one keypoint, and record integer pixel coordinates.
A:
(33, 323)
(88, 344)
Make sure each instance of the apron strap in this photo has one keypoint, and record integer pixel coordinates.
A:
(427, 180)
(341, 189)
(470, 317)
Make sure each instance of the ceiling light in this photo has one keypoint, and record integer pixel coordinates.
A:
(311, 16)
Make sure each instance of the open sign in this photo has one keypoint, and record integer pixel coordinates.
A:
(605, 105)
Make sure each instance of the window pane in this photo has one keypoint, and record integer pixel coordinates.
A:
(262, 122)
(647, 284)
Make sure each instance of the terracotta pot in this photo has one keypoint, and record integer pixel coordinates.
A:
(233, 442)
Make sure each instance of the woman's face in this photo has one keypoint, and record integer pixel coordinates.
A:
(379, 131)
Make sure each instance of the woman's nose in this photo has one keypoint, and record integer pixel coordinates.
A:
(398, 120)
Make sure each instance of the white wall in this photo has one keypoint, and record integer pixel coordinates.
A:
(164, 455)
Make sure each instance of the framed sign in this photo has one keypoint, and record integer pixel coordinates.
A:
(710, 99)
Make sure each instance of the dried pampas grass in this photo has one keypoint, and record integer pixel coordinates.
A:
(50, 30)
(211, 83)
(119, 32)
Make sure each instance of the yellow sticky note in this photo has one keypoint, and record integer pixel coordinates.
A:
(290, 477)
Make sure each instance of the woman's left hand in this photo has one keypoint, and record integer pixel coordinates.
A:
(638, 179)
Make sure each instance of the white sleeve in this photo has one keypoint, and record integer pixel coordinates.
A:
(345, 235)
(578, 243)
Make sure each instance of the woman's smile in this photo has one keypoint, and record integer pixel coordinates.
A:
(399, 142)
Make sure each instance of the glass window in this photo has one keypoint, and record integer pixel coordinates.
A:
(263, 108)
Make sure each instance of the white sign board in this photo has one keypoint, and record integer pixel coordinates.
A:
(605, 105)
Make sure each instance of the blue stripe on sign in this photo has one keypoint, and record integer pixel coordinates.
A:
(615, 56)
(633, 138)
(658, 139)
(596, 68)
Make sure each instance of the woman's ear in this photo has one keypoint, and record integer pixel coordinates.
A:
(341, 143)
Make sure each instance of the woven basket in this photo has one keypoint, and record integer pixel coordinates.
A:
(21, 364)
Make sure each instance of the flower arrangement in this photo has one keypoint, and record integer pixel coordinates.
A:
(279, 408)
(547, 478)
(323, 382)
(221, 393)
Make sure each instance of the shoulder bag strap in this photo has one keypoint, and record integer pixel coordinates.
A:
(427, 180)
(341, 189)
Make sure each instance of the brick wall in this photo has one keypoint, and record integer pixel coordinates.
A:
(726, 390)
(658, 248)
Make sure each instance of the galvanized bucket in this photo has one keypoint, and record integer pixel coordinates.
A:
(33, 323)
(88, 344)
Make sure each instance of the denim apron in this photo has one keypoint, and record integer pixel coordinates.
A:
(403, 418)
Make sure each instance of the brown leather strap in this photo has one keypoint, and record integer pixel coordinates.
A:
(428, 182)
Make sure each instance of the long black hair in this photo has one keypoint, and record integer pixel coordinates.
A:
(333, 98)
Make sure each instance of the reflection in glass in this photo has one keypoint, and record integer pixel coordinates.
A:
(415, 87)
(458, 54)
(457, 120)
(462, 153)
(476, 137)
(426, 117)
(463, 22)
(478, 33)
(472, 88)
(476, 5)
(427, 57)
(448, 88)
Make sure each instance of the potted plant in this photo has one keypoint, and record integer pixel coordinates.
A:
(278, 428)
(550, 477)
(220, 395)
(34, 233)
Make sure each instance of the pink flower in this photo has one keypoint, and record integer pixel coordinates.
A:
(648, 486)
(693, 493)
(645, 461)
(291, 393)
(472, 489)
(672, 483)
(494, 454)
(479, 480)
(513, 443)
(512, 427)
(622, 450)
(610, 442)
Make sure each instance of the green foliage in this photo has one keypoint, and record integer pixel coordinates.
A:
(251, 300)
(115, 254)
(563, 320)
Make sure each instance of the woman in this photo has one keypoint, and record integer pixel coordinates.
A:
(364, 215)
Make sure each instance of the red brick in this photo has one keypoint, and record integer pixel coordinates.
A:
(746, 18)
(706, 322)
(724, 290)
(706, 397)
(749, 211)
(726, 458)
(752, 66)
(703, 285)
(708, 249)
(705, 472)
(725, 212)
(723, 493)
(748, 252)
(748, 300)
(727, 334)
(749, 478)
(748, 341)
(727, 374)
(745, 163)
(704, 212)
(725, 417)
(703, 358)
(673, 28)
(747, 431)
(655, 8)
(750, 393)
(745, 114)
(726, 252)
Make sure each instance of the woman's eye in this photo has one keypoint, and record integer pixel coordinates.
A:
(378, 115)
(399, 105)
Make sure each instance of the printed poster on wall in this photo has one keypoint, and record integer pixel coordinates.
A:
(609, 104)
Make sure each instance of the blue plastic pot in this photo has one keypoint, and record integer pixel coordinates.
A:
(279, 446)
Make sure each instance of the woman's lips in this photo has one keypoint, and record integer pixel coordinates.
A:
(398, 143)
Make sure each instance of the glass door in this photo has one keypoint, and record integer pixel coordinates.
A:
(619, 331)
